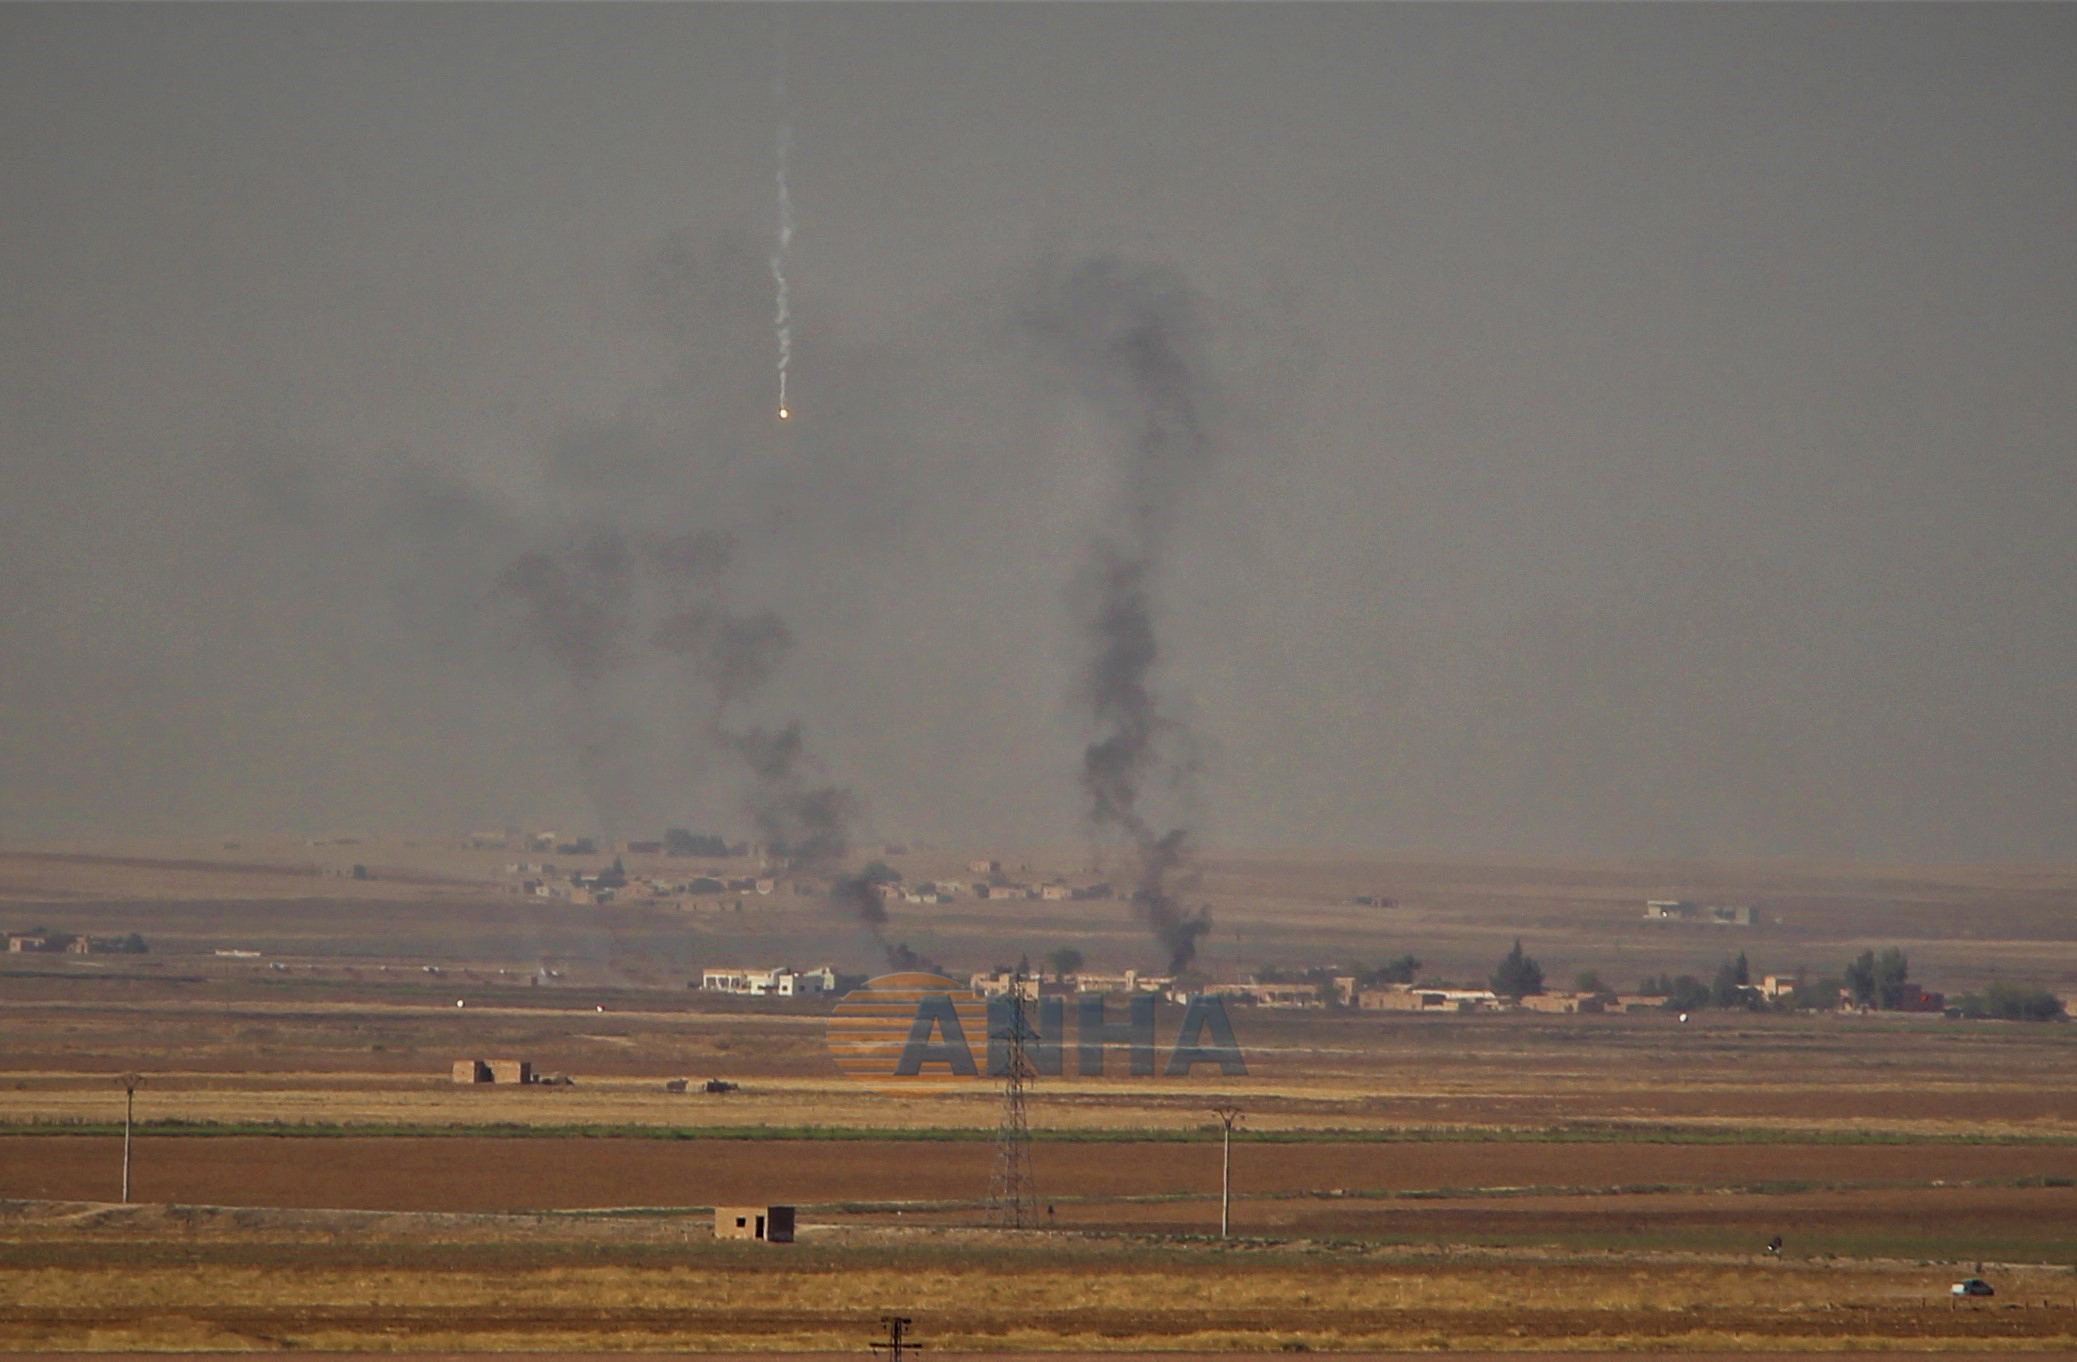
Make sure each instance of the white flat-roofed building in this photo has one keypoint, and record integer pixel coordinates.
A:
(782, 982)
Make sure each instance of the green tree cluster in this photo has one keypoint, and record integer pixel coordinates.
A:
(1733, 987)
(1877, 981)
(685, 842)
(1518, 975)
(2012, 1002)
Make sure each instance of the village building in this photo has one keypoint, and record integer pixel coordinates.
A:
(1417, 998)
(1001, 983)
(1686, 910)
(782, 982)
(1131, 981)
(1557, 1002)
(1269, 995)
(764, 1224)
(1004, 891)
(507, 1071)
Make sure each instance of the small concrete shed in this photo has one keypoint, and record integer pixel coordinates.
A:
(771, 1224)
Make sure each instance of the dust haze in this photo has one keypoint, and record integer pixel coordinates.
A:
(1597, 431)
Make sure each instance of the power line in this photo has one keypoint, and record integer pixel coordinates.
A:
(1012, 1195)
(1227, 1116)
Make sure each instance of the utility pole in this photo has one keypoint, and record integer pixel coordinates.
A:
(896, 1343)
(129, 1082)
(1227, 1116)
(1012, 1196)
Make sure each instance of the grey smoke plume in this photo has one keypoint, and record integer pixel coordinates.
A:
(1132, 341)
(574, 607)
(574, 604)
(696, 556)
(734, 654)
(580, 607)
(799, 820)
(798, 817)
(577, 605)
(809, 824)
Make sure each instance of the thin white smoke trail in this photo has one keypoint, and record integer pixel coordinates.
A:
(783, 322)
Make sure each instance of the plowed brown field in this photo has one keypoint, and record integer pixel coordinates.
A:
(463, 1173)
(279, 996)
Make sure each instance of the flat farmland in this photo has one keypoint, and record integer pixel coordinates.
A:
(146, 1279)
(309, 1178)
(1963, 925)
(313, 1051)
(459, 1173)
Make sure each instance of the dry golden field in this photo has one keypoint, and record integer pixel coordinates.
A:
(332, 1280)
(309, 1178)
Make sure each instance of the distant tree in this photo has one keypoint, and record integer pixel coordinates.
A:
(879, 872)
(1518, 975)
(1589, 982)
(1065, 961)
(685, 842)
(1404, 970)
(2012, 1002)
(133, 944)
(705, 885)
(1686, 994)
(582, 846)
(1733, 987)
(1860, 979)
(1877, 981)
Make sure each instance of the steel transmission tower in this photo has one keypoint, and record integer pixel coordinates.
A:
(1012, 1197)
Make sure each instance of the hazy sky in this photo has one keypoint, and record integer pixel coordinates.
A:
(1630, 428)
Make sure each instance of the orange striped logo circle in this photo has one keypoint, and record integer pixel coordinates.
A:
(911, 1033)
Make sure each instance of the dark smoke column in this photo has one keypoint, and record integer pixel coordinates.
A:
(1131, 340)
(805, 822)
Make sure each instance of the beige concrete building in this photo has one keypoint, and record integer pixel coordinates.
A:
(768, 1224)
(493, 1071)
(1410, 998)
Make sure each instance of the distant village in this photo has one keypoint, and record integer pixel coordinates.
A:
(44, 941)
(1872, 983)
(613, 882)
